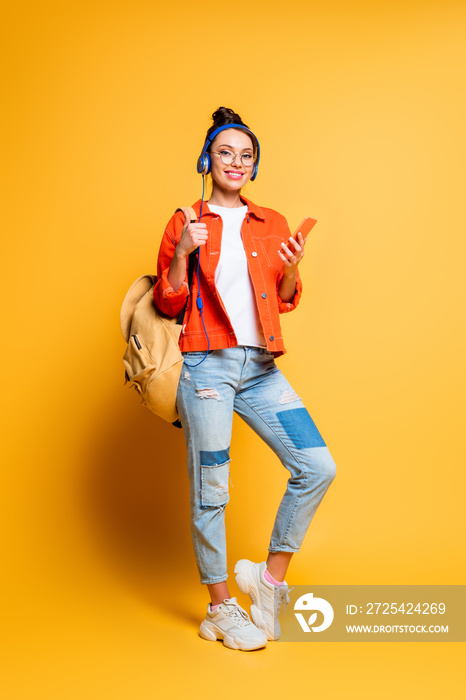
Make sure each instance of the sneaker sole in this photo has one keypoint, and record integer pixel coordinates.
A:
(247, 578)
(212, 633)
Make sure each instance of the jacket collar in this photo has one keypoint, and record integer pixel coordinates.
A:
(252, 208)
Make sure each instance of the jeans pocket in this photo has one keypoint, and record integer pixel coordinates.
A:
(214, 484)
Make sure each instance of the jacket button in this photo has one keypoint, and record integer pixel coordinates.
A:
(272, 337)
(264, 295)
(254, 254)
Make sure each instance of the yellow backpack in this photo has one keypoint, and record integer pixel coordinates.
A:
(153, 359)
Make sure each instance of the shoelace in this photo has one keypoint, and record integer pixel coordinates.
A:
(239, 615)
(281, 597)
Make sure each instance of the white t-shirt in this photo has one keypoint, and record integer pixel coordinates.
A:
(233, 281)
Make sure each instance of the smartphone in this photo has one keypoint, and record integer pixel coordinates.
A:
(305, 227)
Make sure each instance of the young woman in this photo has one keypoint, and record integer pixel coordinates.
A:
(245, 276)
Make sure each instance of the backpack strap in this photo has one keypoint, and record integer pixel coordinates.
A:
(192, 213)
(192, 261)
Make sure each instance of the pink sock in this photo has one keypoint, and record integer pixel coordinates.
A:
(212, 607)
(268, 577)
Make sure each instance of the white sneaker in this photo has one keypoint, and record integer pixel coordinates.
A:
(232, 624)
(266, 598)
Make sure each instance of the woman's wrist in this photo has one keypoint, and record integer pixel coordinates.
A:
(287, 287)
(180, 254)
(177, 272)
(290, 274)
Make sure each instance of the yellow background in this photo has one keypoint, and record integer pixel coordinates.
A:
(360, 110)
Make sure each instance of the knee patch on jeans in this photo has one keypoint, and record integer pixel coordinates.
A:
(300, 428)
(215, 470)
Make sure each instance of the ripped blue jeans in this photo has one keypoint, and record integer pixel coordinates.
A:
(247, 381)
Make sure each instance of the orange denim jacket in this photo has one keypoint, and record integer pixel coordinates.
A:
(262, 232)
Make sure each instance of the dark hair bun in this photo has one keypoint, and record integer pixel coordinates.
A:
(224, 116)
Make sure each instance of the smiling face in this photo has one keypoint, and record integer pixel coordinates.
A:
(230, 178)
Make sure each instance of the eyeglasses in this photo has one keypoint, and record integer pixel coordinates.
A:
(228, 157)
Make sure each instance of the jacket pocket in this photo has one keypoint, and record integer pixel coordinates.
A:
(270, 253)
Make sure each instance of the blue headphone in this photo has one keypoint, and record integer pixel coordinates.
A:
(203, 162)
